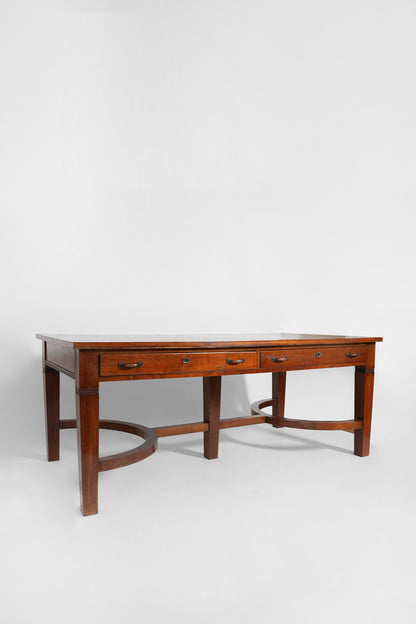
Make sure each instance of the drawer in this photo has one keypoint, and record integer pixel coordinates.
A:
(143, 363)
(313, 356)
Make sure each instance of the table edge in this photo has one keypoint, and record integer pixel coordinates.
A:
(208, 344)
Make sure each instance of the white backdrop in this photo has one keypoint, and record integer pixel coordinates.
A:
(210, 166)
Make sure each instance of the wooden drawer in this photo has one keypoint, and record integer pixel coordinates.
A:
(313, 356)
(140, 363)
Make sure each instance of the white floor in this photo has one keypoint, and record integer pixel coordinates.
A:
(286, 526)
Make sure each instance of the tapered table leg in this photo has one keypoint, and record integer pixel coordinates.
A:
(51, 392)
(87, 430)
(87, 403)
(278, 395)
(212, 403)
(364, 383)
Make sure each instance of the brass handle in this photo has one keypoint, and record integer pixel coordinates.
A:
(235, 361)
(134, 365)
(352, 355)
(284, 358)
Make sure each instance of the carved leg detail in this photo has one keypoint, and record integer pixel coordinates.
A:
(212, 403)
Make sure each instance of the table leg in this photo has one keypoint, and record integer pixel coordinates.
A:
(212, 403)
(364, 383)
(87, 402)
(87, 433)
(278, 395)
(51, 383)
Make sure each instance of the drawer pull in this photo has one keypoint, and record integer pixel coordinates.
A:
(353, 355)
(284, 358)
(186, 360)
(134, 365)
(235, 361)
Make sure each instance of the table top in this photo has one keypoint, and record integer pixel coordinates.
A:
(171, 341)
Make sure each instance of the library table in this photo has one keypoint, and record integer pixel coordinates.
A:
(92, 359)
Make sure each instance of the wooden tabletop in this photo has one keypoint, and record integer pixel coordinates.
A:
(172, 341)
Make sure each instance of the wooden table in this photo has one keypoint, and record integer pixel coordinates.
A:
(91, 359)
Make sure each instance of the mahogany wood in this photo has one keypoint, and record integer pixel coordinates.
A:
(118, 460)
(322, 425)
(128, 376)
(225, 423)
(212, 402)
(68, 423)
(94, 359)
(197, 341)
(61, 355)
(294, 358)
(184, 362)
(171, 430)
(87, 404)
(51, 388)
(363, 404)
(279, 396)
(257, 406)
(228, 423)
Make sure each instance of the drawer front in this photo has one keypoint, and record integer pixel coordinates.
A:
(313, 356)
(140, 363)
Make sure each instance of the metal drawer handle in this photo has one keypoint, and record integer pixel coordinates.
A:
(352, 355)
(284, 358)
(186, 360)
(235, 361)
(134, 365)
